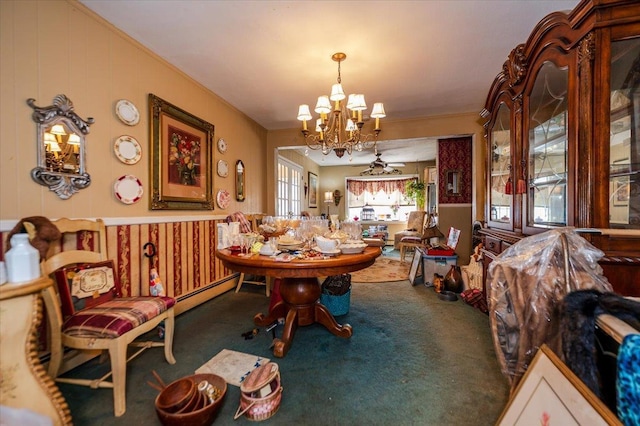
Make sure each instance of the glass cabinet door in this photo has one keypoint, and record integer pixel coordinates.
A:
(547, 153)
(500, 194)
(624, 154)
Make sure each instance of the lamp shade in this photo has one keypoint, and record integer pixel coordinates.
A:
(337, 94)
(73, 139)
(358, 103)
(54, 147)
(328, 197)
(351, 101)
(58, 129)
(304, 113)
(323, 105)
(49, 138)
(378, 110)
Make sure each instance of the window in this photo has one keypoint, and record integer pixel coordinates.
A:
(289, 188)
(386, 197)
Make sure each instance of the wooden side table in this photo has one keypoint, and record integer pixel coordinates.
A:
(25, 383)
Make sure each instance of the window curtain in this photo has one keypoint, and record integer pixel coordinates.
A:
(357, 187)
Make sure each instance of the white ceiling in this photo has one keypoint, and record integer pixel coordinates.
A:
(420, 58)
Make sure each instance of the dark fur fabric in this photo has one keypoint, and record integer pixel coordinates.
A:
(46, 232)
(578, 314)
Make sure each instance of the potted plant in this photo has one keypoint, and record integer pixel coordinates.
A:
(415, 190)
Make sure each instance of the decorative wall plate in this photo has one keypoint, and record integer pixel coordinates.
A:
(223, 168)
(128, 189)
(127, 112)
(223, 198)
(222, 146)
(127, 149)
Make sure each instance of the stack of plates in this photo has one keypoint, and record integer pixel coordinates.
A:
(289, 244)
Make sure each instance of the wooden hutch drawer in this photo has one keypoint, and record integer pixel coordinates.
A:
(492, 244)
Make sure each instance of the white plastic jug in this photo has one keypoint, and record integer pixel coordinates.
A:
(23, 260)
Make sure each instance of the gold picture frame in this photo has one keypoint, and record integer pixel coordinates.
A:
(313, 190)
(550, 393)
(181, 171)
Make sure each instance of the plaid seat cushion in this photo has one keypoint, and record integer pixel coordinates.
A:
(115, 317)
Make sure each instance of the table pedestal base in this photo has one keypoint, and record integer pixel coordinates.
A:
(300, 307)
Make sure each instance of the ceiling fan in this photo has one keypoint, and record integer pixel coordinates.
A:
(380, 167)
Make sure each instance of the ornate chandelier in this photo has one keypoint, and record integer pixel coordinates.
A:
(339, 128)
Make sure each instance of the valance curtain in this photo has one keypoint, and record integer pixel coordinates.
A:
(357, 187)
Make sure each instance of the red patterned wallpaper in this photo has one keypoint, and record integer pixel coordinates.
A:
(455, 154)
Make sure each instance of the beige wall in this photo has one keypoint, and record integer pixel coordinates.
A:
(52, 47)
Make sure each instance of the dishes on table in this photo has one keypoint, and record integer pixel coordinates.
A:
(333, 252)
(127, 112)
(288, 240)
(223, 198)
(128, 189)
(352, 248)
(266, 250)
(127, 149)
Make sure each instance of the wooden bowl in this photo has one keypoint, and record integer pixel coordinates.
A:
(198, 417)
(176, 395)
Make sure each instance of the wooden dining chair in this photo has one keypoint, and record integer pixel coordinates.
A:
(255, 220)
(92, 314)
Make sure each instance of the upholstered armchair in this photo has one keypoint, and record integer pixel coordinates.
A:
(415, 225)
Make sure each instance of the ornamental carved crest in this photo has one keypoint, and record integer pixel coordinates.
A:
(516, 66)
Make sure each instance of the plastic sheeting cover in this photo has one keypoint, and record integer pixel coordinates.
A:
(526, 284)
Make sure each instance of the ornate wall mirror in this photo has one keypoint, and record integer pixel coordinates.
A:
(240, 181)
(61, 147)
(453, 182)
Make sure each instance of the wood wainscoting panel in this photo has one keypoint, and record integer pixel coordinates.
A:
(185, 256)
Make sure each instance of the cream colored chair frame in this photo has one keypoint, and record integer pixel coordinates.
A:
(256, 220)
(117, 348)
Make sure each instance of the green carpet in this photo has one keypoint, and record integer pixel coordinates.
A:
(412, 359)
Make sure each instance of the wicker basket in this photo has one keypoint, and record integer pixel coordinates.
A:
(264, 380)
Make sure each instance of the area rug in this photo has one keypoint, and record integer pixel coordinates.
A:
(232, 366)
(383, 270)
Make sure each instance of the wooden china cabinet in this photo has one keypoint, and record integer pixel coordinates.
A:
(563, 136)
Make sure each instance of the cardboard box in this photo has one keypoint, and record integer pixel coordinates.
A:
(436, 265)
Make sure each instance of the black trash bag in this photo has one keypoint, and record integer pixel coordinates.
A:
(337, 285)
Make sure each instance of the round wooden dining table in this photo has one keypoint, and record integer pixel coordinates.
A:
(299, 288)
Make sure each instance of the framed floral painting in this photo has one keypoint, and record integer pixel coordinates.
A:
(181, 159)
